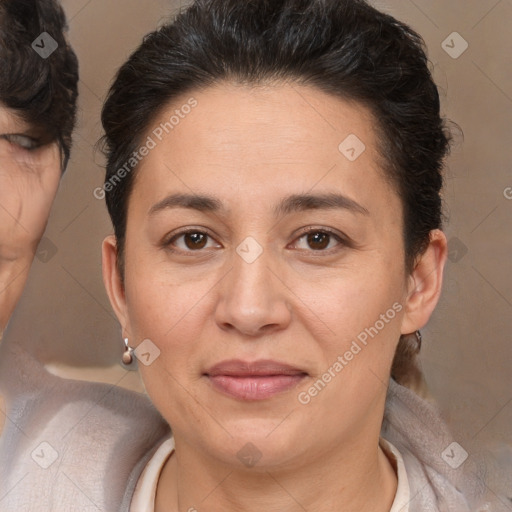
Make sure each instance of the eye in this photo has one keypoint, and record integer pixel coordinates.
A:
(192, 240)
(320, 240)
(24, 141)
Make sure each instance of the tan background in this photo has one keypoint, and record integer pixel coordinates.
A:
(65, 318)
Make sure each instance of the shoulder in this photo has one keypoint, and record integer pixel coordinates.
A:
(72, 441)
(441, 475)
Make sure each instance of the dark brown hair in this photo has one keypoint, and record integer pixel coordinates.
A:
(42, 91)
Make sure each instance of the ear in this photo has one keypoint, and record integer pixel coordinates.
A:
(113, 283)
(425, 283)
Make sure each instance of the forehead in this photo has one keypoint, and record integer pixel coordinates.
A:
(230, 116)
(259, 140)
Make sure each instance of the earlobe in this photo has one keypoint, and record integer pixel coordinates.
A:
(425, 284)
(112, 281)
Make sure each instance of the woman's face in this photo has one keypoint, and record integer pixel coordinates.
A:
(305, 324)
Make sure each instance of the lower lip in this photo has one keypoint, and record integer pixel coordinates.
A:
(253, 387)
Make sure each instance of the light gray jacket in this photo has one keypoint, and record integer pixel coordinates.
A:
(442, 475)
(70, 445)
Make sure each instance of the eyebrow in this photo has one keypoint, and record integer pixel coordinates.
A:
(292, 203)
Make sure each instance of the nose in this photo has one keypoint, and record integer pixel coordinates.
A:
(252, 299)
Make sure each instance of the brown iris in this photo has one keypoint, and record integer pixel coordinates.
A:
(197, 240)
(318, 240)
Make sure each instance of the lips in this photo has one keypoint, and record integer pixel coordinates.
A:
(256, 380)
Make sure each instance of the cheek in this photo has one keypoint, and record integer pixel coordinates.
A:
(161, 308)
(355, 327)
(171, 315)
(347, 300)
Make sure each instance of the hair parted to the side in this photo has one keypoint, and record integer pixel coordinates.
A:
(343, 47)
(43, 92)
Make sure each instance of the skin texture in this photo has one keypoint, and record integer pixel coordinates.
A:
(29, 179)
(299, 303)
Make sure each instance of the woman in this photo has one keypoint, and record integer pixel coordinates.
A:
(273, 177)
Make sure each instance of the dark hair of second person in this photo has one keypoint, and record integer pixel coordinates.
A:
(41, 91)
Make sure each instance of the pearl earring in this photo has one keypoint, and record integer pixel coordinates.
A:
(127, 357)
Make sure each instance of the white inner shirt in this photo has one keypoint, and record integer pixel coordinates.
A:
(143, 499)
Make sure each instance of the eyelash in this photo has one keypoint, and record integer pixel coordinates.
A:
(342, 241)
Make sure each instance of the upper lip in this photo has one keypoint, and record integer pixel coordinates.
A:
(237, 367)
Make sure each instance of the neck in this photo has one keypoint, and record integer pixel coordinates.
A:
(354, 476)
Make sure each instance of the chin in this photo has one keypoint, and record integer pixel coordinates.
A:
(261, 440)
